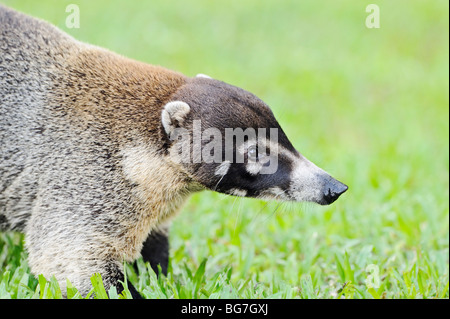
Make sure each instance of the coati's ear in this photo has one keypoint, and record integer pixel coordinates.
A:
(173, 115)
(201, 75)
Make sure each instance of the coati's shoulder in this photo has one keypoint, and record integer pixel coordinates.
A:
(121, 95)
(97, 76)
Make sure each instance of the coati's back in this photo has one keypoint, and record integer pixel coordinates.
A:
(32, 53)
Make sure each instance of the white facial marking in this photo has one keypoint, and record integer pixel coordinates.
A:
(237, 192)
(222, 169)
(306, 179)
(253, 168)
(275, 193)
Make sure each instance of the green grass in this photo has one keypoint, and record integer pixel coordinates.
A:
(368, 105)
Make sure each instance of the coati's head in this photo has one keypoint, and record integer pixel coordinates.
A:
(229, 141)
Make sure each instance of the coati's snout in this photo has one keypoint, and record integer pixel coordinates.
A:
(311, 183)
(229, 141)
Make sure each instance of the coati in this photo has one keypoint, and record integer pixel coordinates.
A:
(89, 166)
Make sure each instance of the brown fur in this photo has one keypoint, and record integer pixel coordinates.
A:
(91, 148)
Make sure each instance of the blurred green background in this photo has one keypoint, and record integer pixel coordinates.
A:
(370, 106)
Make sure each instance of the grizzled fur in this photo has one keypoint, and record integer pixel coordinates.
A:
(69, 115)
(87, 164)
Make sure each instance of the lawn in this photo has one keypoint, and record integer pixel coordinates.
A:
(370, 106)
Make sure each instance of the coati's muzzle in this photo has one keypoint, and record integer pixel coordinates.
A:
(311, 183)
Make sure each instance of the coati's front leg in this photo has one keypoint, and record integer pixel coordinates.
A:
(68, 245)
(134, 293)
(156, 249)
(44, 259)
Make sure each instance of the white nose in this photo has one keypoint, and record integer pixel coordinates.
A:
(312, 184)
